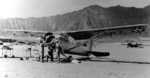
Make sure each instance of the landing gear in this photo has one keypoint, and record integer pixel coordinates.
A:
(5, 56)
(13, 56)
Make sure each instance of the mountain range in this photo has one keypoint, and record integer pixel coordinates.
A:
(93, 16)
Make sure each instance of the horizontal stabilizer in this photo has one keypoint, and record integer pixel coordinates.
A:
(99, 54)
(87, 53)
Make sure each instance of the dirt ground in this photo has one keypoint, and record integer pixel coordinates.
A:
(29, 69)
(15, 68)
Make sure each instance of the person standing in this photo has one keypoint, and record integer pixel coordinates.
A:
(47, 40)
(58, 48)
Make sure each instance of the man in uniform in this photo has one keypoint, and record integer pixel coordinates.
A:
(58, 46)
(47, 39)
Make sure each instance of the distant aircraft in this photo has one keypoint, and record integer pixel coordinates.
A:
(134, 44)
(88, 35)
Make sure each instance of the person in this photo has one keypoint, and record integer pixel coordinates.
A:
(67, 60)
(58, 48)
(47, 39)
(70, 59)
(51, 48)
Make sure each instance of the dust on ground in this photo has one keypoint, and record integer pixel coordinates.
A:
(15, 68)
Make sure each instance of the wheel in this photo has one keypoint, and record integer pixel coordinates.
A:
(13, 56)
(5, 56)
(21, 58)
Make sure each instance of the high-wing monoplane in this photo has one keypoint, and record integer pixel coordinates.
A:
(75, 39)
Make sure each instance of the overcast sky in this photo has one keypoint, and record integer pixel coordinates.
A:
(39, 8)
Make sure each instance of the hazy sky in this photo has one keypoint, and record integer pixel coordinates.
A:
(39, 8)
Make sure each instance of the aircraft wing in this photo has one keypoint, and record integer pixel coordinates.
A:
(27, 35)
(86, 34)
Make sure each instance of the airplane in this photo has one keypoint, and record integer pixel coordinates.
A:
(87, 35)
(135, 43)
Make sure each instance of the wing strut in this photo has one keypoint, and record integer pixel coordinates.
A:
(91, 44)
(91, 41)
(42, 53)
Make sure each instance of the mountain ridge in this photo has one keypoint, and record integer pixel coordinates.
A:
(93, 16)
